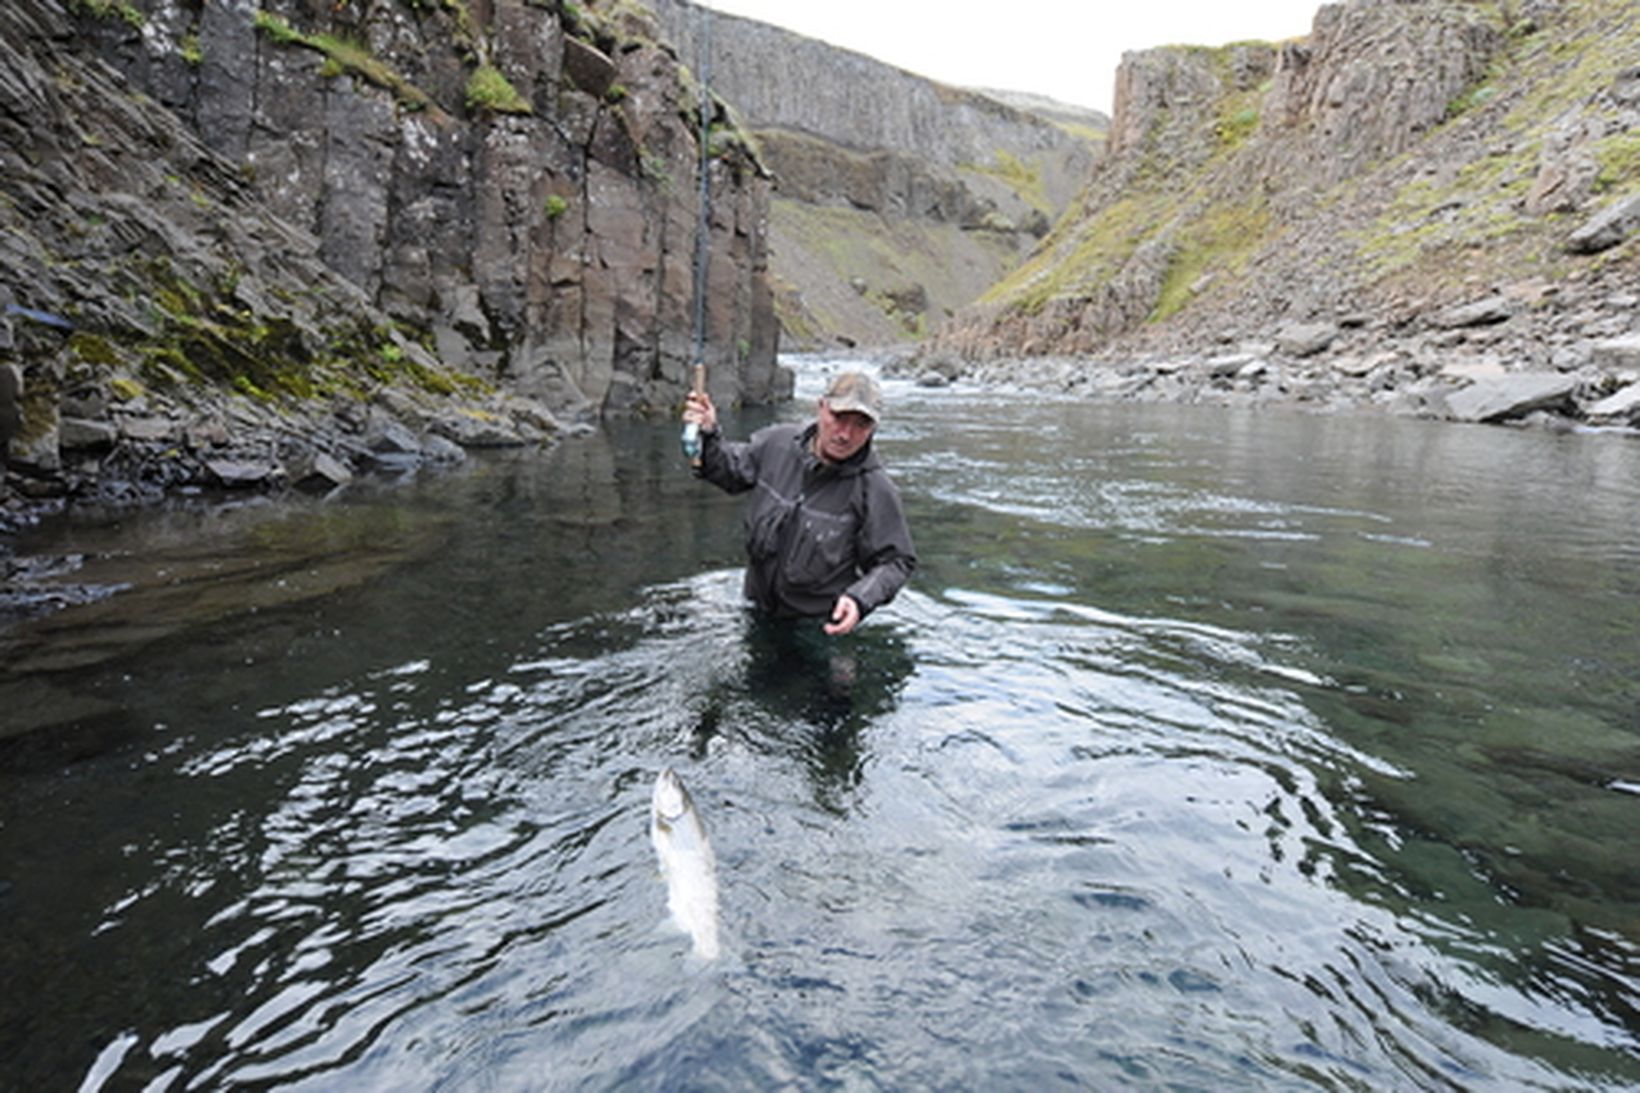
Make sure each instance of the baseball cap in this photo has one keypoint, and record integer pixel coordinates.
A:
(855, 391)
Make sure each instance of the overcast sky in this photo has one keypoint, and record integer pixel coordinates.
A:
(1065, 49)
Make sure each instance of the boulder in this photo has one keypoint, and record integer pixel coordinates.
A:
(1229, 365)
(1305, 339)
(81, 434)
(1493, 309)
(387, 437)
(244, 473)
(146, 427)
(476, 429)
(1607, 228)
(1617, 409)
(319, 472)
(1510, 396)
(441, 451)
(589, 67)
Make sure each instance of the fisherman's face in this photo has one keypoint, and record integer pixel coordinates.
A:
(841, 434)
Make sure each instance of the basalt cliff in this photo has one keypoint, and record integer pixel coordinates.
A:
(1428, 206)
(897, 199)
(251, 243)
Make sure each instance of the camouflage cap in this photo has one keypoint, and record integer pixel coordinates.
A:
(855, 391)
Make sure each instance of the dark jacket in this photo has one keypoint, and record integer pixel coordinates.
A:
(814, 530)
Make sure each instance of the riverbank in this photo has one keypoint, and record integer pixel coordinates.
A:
(122, 444)
(1566, 355)
(96, 456)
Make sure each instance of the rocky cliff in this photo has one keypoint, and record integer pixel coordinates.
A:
(245, 238)
(1425, 204)
(897, 199)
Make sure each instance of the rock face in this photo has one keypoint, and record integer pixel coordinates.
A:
(270, 225)
(244, 242)
(1444, 185)
(544, 234)
(897, 199)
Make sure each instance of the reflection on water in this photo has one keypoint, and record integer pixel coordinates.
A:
(1206, 749)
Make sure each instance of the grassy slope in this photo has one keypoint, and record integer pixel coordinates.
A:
(1460, 222)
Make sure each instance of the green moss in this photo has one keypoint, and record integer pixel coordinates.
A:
(112, 9)
(276, 28)
(1082, 252)
(125, 389)
(555, 206)
(360, 356)
(588, 25)
(655, 169)
(1238, 120)
(1619, 159)
(165, 366)
(93, 349)
(1564, 73)
(488, 89)
(191, 52)
(1018, 176)
(1473, 218)
(1478, 205)
(343, 56)
(1218, 243)
(247, 387)
(723, 139)
(38, 407)
(574, 17)
(466, 37)
(1473, 97)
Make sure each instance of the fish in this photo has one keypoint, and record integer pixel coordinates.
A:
(687, 862)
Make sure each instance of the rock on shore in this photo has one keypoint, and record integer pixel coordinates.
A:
(1557, 355)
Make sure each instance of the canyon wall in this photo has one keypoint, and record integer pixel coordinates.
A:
(1404, 158)
(897, 199)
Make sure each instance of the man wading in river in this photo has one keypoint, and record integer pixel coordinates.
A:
(825, 534)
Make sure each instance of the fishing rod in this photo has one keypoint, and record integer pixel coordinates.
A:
(691, 431)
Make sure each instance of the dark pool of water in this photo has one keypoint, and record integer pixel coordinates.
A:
(1207, 749)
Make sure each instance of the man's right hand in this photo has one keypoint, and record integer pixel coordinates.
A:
(698, 409)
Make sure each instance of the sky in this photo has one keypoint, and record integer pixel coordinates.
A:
(1064, 49)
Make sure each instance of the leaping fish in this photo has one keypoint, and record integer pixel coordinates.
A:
(686, 861)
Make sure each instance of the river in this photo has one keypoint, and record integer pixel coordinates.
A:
(1207, 749)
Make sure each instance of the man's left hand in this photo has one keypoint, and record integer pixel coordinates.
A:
(845, 616)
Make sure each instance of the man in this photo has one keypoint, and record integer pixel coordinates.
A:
(825, 534)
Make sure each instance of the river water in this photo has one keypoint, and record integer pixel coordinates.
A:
(1207, 749)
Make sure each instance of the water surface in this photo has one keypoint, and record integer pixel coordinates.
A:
(1207, 748)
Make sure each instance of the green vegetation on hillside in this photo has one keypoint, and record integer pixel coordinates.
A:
(1020, 177)
(1469, 214)
(1204, 228)
(203, 337)
(112, 9)
(1217, 243)
(343, 56)
(1083, 251)
(1196, 199)
(488, 89)
(886, 281)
